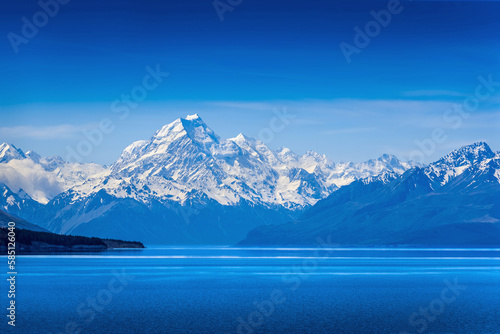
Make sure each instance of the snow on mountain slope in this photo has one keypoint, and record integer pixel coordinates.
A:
(477, 159)
(9, 152)
(186, 158)
(18, 203)
(186, 184)
(454, 201)
(32, 178)
(41, 178)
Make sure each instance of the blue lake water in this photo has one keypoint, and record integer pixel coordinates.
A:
(241, 290)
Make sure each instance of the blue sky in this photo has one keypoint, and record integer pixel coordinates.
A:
(264, 56)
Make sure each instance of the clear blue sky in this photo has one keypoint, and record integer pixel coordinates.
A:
(265, 55)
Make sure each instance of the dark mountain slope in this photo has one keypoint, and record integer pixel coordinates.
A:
(453, 202)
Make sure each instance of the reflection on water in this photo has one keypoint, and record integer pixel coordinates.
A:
(259, 290)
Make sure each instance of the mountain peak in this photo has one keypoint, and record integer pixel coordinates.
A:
(241, 138)
(386, 156)
(198, 131)
(6, 146)
(478, 149)
(190, 130)
(467, 155)
(191, 126)
(389, 158)
(9, 152)
(33, 156)
(285, 152)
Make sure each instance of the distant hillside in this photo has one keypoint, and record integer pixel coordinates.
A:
(33, 238)
(452, 202)
(5, 218)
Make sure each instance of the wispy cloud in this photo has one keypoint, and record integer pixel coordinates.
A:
(343, 129)
(63, 131)
(433, 93)
(348, 130)
(32, 178)
(245, 105)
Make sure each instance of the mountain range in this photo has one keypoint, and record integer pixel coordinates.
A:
(184, 185)
(454, 201)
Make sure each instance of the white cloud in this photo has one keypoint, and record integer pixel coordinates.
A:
(348, 130)
(433, 93)
(32, 178)
(63, 131)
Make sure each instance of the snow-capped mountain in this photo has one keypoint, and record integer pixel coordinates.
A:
(186, 156)
(41, 178)
(9, 152)
(476, 162)
(18, 203)
(183, 173)
(453, 201)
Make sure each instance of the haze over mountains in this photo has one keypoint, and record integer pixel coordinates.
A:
(184, 185)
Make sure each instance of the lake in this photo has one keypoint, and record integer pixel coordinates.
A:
(257, 290)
